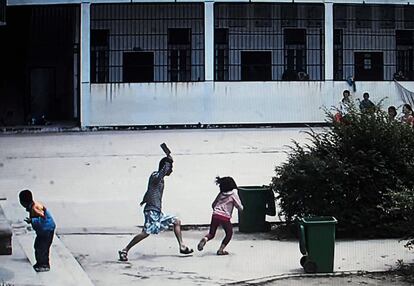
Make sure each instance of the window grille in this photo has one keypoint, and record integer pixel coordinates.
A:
(338, 54)
(263, 41)
(408, 17)
(373, 42)
(147, 42)
(221, 54)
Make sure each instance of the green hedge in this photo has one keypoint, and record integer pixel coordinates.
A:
(360, 170)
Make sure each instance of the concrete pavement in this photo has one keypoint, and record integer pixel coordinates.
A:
(92, 183)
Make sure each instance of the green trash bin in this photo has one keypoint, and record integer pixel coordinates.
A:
(258, 201)
(317, 244)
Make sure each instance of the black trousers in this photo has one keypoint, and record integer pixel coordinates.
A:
(42, 244)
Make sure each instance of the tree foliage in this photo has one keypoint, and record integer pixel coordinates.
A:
(359, 170)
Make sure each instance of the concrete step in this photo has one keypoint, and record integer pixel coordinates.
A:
(65, 270)
(16, 269)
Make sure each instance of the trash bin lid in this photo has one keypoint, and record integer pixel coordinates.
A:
(253, 188)
(319, 220)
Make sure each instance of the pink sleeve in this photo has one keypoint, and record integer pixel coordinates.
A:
(237, 201)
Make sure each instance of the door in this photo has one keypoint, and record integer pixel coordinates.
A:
(256, 66)
(138, 67)
(369, 66)
(42, 92)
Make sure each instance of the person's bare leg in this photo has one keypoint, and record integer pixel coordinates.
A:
(178, 235)
(177, 232)
(135, 240)
(123, 254)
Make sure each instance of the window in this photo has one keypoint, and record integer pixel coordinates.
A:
(99, 56)
(363, 16)
(167, 37)
(387, 17)
(289, 15)
(138, 66)
(179, 54)
(221, 54)
(262, 16)
(238, 16)
(256, 66)
(340, 16)
(338, 54)
(405, 53)
(262, 32)
(409, 17)
(314, 17)
(295, 52)
(371, 40)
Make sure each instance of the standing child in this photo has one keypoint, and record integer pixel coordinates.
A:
(42, 222)
(223, 207)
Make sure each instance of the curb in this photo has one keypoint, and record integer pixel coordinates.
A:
(267, 279)
(65, 269)
(36, 129)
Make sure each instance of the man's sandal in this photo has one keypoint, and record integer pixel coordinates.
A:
(186, 250)
(123, 255)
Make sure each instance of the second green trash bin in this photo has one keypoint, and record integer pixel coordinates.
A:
(258, 201)
(317, 243)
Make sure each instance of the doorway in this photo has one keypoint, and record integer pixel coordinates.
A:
(369, 66)
(42, 94)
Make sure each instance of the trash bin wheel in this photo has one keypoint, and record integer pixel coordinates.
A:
(303, 260)
(310, 267)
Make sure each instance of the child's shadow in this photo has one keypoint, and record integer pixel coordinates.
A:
(212, 253)
(158, 256)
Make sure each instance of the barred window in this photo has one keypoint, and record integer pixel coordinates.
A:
(147, 42)
(268, 42)
(373, 42)
(99, 55)
(409, 17)
(221, 54)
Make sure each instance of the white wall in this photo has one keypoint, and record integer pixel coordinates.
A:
(224, 102)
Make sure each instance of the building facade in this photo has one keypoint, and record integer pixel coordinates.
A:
(136, 63)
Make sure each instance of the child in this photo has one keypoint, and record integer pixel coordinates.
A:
(42, 222)
(407, 116)
(223, 206)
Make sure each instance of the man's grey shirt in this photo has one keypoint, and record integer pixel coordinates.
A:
(153, 196)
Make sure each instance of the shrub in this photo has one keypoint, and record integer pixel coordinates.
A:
(354, 170)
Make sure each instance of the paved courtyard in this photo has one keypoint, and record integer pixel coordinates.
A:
(92, 183)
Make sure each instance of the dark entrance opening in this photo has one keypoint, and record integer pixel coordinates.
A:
(138, 67)
(256, 66)
(39, 77)
(369, 66)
